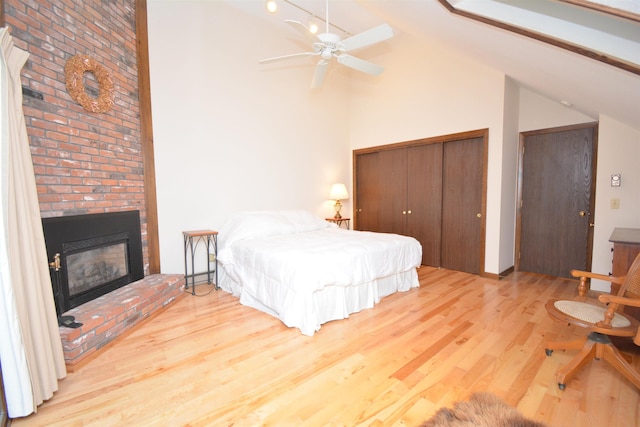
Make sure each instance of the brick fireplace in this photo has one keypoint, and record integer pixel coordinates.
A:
(92, 255)
(99, 286)
(93, 163)
(111, 315)
(84, 162)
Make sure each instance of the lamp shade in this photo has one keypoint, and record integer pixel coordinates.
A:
(338, 192)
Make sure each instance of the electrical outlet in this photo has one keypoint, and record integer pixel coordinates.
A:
(615, 203)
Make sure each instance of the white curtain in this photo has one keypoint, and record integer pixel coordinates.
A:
(30, 348)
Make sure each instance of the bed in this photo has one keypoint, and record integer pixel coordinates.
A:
(306, 271)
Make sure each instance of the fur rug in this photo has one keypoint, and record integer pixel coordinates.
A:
(481, 410)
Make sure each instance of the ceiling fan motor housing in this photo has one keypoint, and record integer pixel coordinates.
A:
(329, 46)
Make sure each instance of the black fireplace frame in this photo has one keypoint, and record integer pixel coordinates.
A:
(61, 233)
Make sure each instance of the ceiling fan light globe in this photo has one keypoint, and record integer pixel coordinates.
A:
(271, 6)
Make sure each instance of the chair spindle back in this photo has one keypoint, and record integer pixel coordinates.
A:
(631, 285)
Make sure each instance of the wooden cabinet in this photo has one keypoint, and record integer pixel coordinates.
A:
(433, 191)
(626, 246)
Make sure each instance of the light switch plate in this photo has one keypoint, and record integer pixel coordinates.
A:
(615, 203)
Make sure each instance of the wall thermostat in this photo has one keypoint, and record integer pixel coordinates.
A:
(615, 180)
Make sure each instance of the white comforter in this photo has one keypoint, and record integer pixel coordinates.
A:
(283, 267)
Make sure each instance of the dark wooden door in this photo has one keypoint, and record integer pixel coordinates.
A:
(424, 199)
(392, 166)
(400, 191)
(462, 209)
(433, 190)
(367, 192)
(556, 200)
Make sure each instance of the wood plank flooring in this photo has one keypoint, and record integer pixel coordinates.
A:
(209, 361)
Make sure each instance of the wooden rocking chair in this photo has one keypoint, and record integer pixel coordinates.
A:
(602, 321)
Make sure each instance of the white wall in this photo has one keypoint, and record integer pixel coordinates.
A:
(511, 113)
(539, 112)
(618, 152)
(231, 134)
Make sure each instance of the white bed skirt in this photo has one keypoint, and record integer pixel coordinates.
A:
(329, 303)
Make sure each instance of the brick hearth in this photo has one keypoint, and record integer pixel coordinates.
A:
(109, 316)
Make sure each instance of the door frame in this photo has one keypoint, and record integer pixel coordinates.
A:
(479, 133)
(592, 196)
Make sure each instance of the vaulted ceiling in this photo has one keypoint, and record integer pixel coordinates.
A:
(581, 56)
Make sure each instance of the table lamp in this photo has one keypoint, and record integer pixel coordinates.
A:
(338, 192)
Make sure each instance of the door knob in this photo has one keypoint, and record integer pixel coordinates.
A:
(478, 215)
(582, 213)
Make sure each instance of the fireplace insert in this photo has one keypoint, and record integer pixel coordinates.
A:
(91, 255)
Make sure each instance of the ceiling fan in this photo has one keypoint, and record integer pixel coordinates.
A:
(328, 46)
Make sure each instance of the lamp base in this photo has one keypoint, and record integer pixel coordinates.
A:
(337, 206)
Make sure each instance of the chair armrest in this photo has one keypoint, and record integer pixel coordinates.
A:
(606, 298)
(590, 275)
(583, 287)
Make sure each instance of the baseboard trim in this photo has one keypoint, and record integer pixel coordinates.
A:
(497, 276)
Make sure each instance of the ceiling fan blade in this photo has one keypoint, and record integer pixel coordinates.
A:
(319, 73)
(280, 58)
(366, 38)
(360, 65)
(302, 29)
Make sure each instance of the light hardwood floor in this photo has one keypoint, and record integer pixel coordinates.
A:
(208, 361)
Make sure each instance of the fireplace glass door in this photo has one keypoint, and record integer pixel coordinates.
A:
(95, 267)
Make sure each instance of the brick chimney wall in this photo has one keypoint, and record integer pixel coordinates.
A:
(84, 162)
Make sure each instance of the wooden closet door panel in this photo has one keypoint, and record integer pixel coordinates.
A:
(392, 167)
(367, 192)
(424, 199)
(462, 204)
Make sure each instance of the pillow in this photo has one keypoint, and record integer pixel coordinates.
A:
(255, 224)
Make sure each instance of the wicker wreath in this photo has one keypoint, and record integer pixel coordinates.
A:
(74, 73)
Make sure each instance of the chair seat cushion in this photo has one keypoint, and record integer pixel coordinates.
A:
(589, 313)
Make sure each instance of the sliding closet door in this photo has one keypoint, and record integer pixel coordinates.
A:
(367, 192)
(392, 183)
(424, 199)
(432, 189)
(462, 209)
